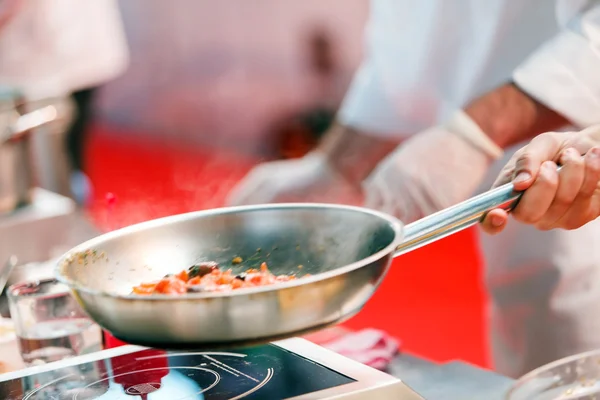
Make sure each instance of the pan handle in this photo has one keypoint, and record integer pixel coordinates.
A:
(456, 218)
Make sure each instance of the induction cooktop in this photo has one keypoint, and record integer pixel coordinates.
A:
(290, 369)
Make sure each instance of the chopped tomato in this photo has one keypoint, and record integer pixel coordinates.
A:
(176, 287)
(224, 279)
(162, 285)
(183, 275)
(170, 285)
(194, 281)
(237, 283)
(144, 289)
(208, 277)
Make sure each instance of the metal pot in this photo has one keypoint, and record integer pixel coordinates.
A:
(18, 119)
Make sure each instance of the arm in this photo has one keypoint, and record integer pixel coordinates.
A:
(366, 127)
(564, 75)
(557, 85)
(509, 116)
(363, 134)
(353, 153)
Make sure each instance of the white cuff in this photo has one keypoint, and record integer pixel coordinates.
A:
(462, 125)
(564, 75)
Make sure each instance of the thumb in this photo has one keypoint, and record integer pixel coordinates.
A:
(529, 159)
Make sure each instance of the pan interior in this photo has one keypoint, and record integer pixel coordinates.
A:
(295, 240)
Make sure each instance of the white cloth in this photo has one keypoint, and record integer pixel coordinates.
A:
(426, 59)
(54, 47)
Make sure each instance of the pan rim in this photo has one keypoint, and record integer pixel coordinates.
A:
(395, 224)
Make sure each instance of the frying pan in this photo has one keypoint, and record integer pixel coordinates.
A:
(347, 250)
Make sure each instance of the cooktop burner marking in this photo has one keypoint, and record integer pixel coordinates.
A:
(28, 396)
(198, 353)
(224, 369)
(207, 354)
(270, 374)
(229, 369)
(217, 378)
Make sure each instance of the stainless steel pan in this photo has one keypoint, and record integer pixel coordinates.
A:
(347, 250)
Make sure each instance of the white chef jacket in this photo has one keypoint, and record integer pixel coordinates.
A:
(425, 59)
(55, 47)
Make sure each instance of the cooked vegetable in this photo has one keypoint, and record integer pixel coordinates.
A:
(202, 269)
(207, 277)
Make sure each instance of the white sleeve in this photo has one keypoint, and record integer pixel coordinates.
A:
(564, 74)
(367, 107)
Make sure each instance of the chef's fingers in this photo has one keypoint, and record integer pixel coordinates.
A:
(570, 180)
(586, 206)
(592, 172)
(542, 148)
(495, 221)
(536, 200)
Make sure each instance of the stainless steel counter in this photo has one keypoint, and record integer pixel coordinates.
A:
(449, 381)
(33, 232)
(42, 230)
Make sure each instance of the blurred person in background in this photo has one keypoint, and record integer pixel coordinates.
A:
(462, 85)
(54, 48)
(299, 133)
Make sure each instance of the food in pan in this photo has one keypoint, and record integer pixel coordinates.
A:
(209, 277)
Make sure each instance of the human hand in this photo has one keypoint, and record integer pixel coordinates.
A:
(569, 198)
(433, 170)
(307, 179)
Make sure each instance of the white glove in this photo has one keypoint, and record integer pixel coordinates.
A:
(308, 179)
(433, 170)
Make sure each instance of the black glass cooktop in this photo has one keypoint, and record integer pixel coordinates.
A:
(266, 372)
